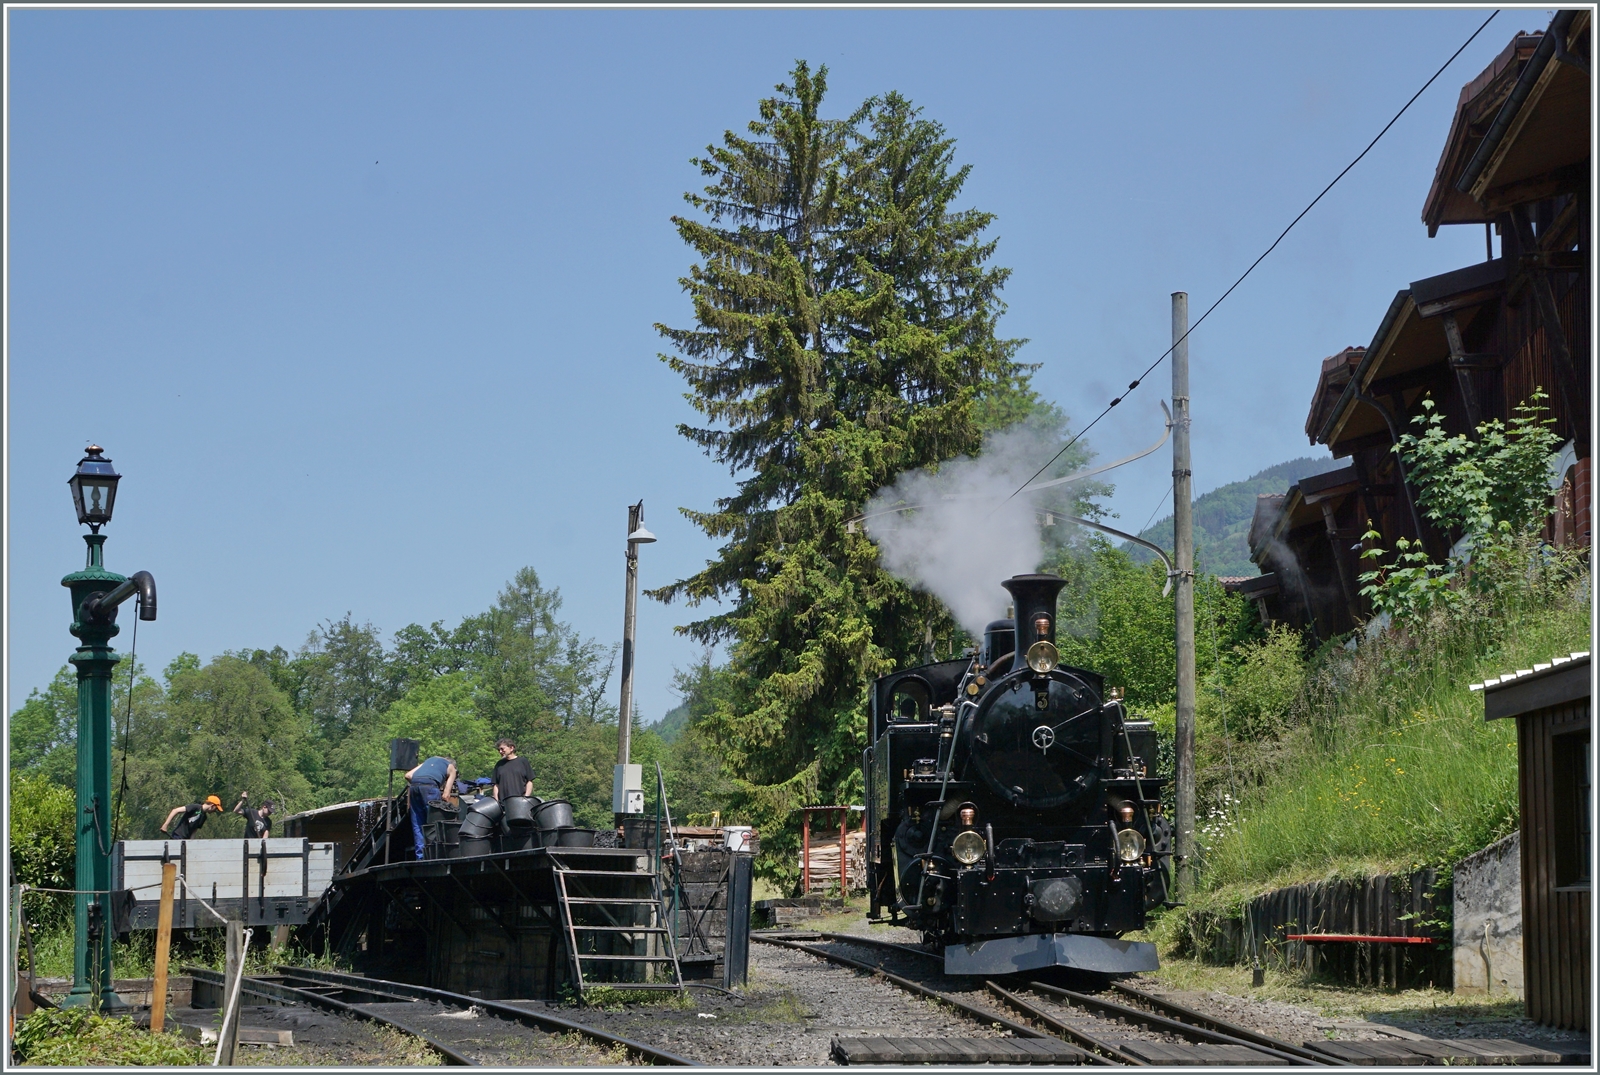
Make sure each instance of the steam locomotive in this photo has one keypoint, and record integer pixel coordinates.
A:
(1014, 812)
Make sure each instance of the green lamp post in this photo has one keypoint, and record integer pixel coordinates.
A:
(96, 593)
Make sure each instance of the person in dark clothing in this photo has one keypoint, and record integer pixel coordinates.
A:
(257, 822)
(513, 775)
(194, 817)
(431, 781)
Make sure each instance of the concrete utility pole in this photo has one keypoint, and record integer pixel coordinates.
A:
(627, 789)
(1183, 537)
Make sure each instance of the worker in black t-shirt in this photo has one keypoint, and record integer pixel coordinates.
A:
(194, 816)
(513, 775)
(257, 822)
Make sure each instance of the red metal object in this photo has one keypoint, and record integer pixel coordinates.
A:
(805, 852)
(805, 844)
(1353, 938)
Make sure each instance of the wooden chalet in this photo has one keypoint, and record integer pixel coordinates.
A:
(1550, 703)
(1478, 340)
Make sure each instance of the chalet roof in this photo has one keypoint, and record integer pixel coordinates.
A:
(1335, 374)
(1410, 337)
(1476, 108)
(1404, 341)
(1264, 523)
(1538, 144)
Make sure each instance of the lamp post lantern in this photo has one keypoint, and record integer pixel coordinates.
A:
(627, 784)
(96, 593)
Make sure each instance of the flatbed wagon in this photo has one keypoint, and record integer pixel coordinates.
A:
(271, 882)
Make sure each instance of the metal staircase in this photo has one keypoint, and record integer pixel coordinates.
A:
(613, 927)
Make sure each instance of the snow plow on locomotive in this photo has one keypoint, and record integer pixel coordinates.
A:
(1014, 812)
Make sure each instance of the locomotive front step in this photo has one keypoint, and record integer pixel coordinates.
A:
(1034, 951)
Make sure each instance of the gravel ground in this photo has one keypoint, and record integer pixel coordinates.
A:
(1295, 1024)
(322, 1039)
(796, 1004)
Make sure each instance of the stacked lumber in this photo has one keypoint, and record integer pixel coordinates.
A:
(825, 861)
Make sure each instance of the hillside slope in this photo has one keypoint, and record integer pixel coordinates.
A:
(1222, 518)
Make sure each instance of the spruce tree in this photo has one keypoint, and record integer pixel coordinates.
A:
(845, 331)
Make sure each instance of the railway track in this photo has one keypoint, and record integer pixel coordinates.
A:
(405, 1007)
(1100, 1028)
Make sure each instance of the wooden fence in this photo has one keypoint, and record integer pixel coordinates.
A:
(1414, 905)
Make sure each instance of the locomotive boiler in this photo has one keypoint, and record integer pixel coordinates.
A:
(1014, 812)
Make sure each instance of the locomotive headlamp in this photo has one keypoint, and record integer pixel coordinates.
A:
(1042, 657)
(968, 847)
(1130, 845)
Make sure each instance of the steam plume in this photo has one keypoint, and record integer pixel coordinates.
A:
(960, 536)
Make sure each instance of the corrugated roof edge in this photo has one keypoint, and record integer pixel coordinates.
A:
(1555, 663)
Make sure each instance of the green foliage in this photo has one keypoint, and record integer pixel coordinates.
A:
(439, 712)
(44, 732)
(73, 1037)
(1258, 688)
(1115, 621)
(1391, 764)
(44, 844)
(845, 332)
(1222, 518)
(223, 727)
(1492, 491)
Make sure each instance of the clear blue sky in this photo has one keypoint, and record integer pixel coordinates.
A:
(361, 302)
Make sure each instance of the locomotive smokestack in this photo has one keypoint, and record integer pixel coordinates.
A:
(1035, 597)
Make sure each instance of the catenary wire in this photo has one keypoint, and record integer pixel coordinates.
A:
(1160, 358)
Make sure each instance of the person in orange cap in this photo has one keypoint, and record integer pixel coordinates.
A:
(194, 816)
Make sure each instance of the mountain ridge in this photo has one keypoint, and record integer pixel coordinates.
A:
(1222, 518)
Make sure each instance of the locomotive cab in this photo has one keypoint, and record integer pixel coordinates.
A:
(1014, 811)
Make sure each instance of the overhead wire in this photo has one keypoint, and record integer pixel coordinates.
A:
(1162, 357)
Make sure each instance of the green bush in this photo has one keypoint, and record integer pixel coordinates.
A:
(43, 844)
(74, 1037)
(1492, 490)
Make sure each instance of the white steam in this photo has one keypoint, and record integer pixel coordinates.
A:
(959, 537)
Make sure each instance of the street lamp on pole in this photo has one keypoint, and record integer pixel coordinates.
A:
(627, 784)
(96, 593)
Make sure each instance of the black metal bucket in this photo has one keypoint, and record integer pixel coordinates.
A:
(570, 837)
(520, 810)
(482, 819)
(475, 845)
(553, 814)
(525, 840)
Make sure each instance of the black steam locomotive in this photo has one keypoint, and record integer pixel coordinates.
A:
(1014, 813)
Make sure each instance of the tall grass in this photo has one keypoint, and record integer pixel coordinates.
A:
(1391, 763)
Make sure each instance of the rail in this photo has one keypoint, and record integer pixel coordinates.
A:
(1183, 1022)
(286, 993)
(539, 1020)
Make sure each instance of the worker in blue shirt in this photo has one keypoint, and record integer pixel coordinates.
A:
(431, 781)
